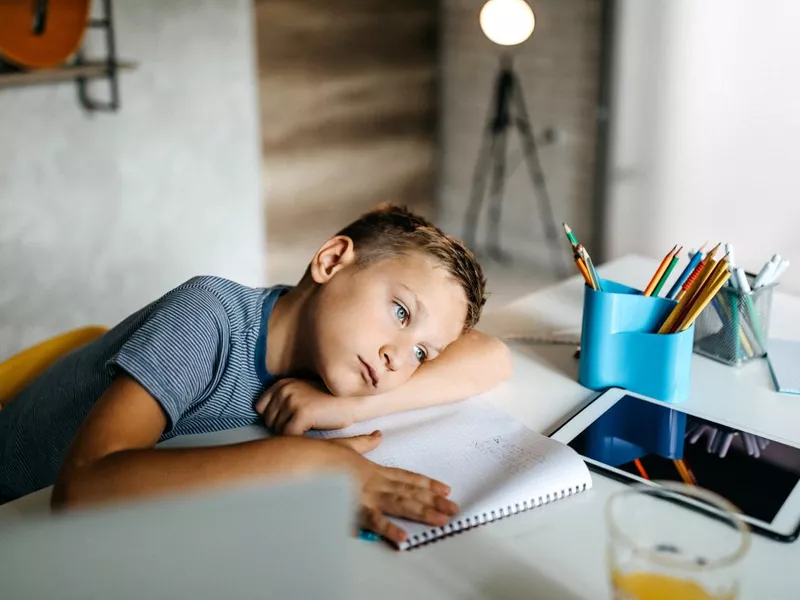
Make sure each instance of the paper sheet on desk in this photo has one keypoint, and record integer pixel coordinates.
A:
(784, 365)
(494, 464)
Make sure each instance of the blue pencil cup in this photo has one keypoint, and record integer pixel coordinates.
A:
(619, 346)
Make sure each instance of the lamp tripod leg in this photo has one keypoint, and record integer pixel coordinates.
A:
(478, 189)
(496, 198)
(537, 176)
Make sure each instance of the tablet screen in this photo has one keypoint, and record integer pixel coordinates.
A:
(654, 441)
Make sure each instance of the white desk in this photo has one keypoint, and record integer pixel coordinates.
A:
(524, 556)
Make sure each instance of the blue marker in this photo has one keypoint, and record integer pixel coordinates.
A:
(368, 536)
(673, 291)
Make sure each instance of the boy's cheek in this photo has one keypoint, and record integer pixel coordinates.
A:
(342, 383)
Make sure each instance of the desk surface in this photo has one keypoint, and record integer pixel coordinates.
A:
(558, 552)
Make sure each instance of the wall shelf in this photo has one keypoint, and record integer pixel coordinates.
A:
(88, 70)
(81, 70)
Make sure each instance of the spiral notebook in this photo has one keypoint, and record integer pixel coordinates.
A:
(495, 466)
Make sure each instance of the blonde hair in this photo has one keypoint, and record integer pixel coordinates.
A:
(390, 231)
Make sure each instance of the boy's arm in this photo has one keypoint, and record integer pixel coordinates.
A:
(113, 454)
(113, 457)
(473, 364)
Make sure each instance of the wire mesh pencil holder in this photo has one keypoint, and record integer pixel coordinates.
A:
(733, 327)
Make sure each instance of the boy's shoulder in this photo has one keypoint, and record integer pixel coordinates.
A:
(227, 292)
(215, 284)
(240, 302)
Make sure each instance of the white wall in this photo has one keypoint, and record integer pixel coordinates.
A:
(100, 214)
(706, 129)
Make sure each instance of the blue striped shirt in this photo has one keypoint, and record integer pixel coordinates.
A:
(200, 350)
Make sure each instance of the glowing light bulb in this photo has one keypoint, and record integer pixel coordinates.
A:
(507, 22)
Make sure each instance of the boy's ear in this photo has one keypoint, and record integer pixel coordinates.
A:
(334, 255)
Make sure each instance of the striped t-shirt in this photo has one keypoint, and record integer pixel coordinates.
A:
(200, 351)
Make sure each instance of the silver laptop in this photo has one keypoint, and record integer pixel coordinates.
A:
(279, 540)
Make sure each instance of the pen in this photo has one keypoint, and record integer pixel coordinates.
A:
(776, 274)
(766, 270)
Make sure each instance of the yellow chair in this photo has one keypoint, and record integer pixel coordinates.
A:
(22, 368)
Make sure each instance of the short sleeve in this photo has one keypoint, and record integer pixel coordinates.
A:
(176, 352)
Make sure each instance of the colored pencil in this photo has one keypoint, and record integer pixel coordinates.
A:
(570, 236)
(590, 267)
(584, 271)
(703, 300)
(684, 304)
(640, 468)
(582, 259)
(684, 472)
(667, 272)
(701, 293)
(659, 272)
(693, 262)
(707, 261)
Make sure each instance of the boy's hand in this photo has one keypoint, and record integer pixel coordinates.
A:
(293, 406)
(390, 491)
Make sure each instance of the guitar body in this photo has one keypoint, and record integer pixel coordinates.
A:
(59, 35)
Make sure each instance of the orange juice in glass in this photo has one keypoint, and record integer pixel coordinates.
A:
(661, 548)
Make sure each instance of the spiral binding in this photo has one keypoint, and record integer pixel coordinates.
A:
(437, 533)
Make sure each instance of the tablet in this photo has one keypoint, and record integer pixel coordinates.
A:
(634, 438)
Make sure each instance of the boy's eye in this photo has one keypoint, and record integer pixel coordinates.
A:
(420, 354)
(400, 312)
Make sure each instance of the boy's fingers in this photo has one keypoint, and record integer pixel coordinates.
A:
(373, 520)
(294, 426)
(406, 507)
(283, 418)
(263, 404)
(264, 401)
(422, 495)
(272, 410)
(418, 480)
(360, 443)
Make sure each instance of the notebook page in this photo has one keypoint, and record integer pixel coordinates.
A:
(492, 462)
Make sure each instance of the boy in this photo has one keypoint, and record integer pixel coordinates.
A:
(380, 322)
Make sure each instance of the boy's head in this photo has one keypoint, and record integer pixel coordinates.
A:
(390, 291)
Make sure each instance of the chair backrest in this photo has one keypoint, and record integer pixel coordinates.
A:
(22, 368)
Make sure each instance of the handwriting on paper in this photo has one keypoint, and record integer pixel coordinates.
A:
(515, 458)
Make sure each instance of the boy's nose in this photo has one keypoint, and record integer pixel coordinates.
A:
(391, 357)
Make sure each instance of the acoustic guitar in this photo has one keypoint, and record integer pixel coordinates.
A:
(41, 34)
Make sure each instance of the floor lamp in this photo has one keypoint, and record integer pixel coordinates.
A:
(507, 23)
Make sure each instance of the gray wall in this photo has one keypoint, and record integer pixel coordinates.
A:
(559, 69)
(101, 214)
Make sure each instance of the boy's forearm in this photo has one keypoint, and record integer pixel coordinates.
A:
(473, 364)
(139, 473)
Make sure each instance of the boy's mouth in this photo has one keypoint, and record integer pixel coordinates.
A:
(369, 374)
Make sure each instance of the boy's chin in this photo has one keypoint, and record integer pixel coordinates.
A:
(350, 388)
(338, 387)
